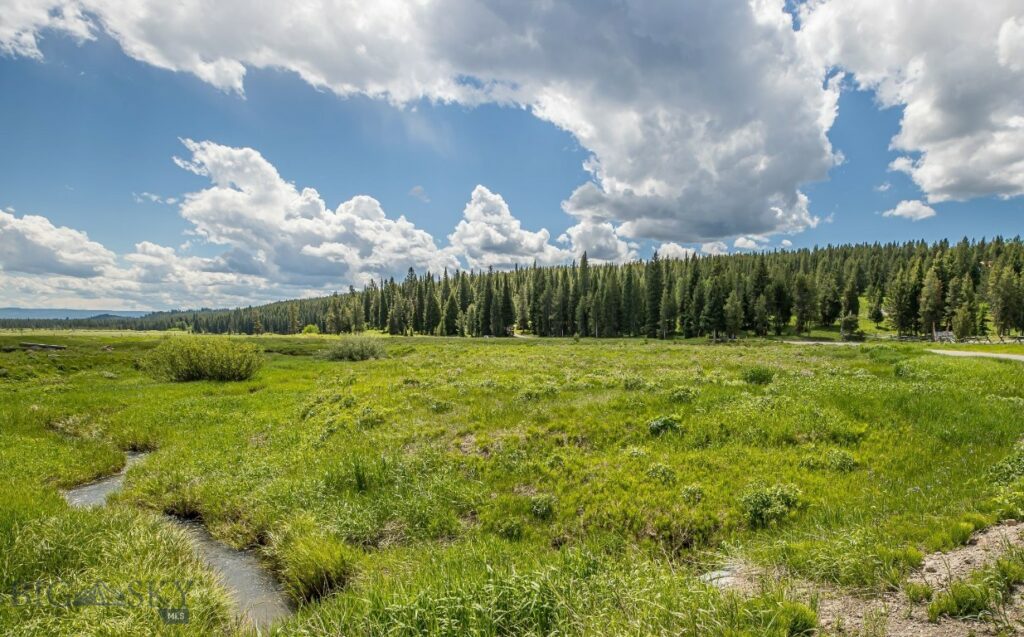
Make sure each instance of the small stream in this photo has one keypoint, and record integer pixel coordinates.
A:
(257, 596)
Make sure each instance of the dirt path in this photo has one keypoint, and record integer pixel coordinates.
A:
(892, 614)
(964, 354)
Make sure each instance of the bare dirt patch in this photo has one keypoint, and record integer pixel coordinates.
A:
(892, 614)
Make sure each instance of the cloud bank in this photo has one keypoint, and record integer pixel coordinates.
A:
(276, 240)
(692, 137)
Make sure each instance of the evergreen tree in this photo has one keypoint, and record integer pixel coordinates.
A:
(450, 319)
(932, 302)
(733, 314)
(851, 297)
(582, 309)
(780, 305)
(829, 301)
(652, 287)
(694, 325)
(432, 313)
(333, 320)
(712, 318)
(761, 316)
(1003, 300)
(357, 320)
(293, 319)
(875, 313)
(964, 321)
(803, 302)
(257, 325)
(669, 306)
(900, 305)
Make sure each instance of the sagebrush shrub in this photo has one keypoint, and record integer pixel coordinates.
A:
(661, 425)
(542, 506)
(766, 505)
(633, 383)
(355, 348)
(759, 375)
(692, 494)
(838, 460)
(1009, 469)
(510, 529)
(662, 473)
(184, 359)
(683, 395)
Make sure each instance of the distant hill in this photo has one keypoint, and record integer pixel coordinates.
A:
(51, 313)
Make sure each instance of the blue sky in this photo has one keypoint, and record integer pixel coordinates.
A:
(92, 124)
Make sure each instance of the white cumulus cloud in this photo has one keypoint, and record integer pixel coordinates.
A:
(488, 235)
(275, 230)
(31, 244)
(714, 248)
(692, 136)
(276, 240)
(672, 250)
(957, 69)
(912, 209)
(749, 243)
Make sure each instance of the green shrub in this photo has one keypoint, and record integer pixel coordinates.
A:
(542, 506)
(661, 425)
(764, 506)
(633, 383)
(662, 473)
(849, 327)
(683, 395)
(311, 329)
(510, 529)
(355, 348)
(759, 375)
(692, 494)
(188, 358)
(838, 460)
(441, 406)
(537, 391)
(1009, 469)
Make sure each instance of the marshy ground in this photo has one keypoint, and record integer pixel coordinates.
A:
(522, 486)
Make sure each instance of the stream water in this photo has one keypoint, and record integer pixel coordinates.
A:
(258, 598)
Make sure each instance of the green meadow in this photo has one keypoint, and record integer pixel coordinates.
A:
(498, 486)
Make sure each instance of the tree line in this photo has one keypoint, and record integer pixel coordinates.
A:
(967, 288)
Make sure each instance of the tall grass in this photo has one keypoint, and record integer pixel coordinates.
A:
(491, 488)
(184, 359)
